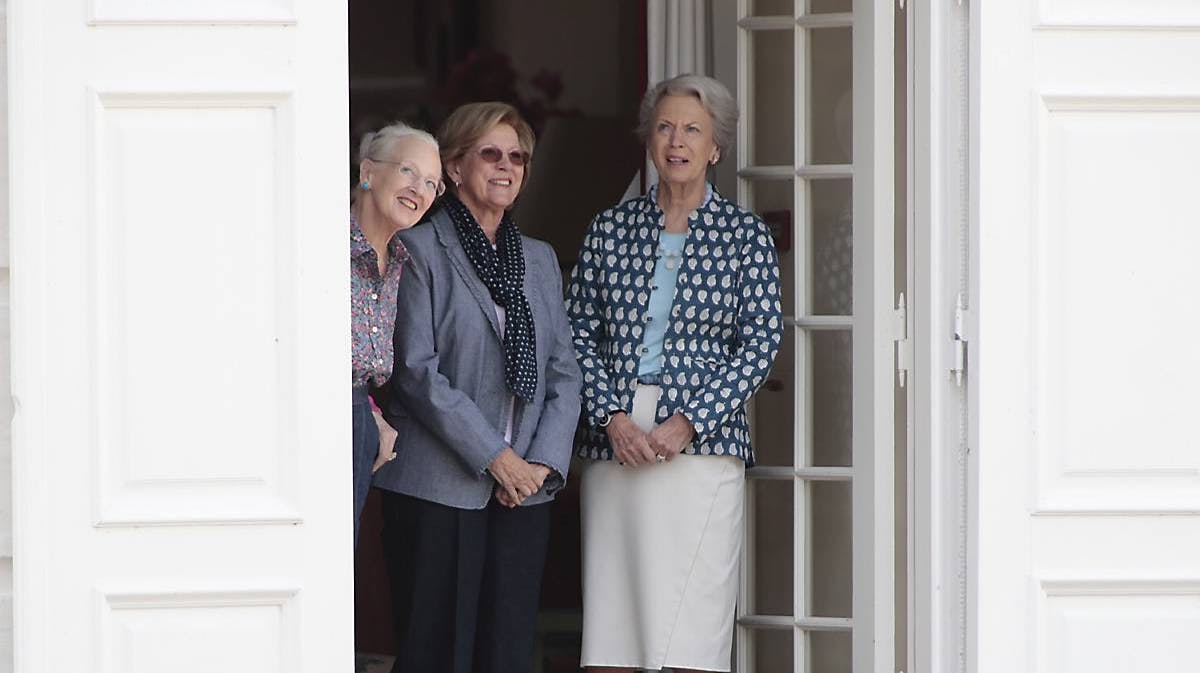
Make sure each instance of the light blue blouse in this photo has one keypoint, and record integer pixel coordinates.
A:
(662, 295)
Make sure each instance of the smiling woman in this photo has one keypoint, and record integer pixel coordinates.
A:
(399, 179)
(486, 398)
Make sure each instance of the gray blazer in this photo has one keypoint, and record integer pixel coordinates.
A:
(447, 395)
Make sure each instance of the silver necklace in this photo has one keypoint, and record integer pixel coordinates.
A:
(670, 257)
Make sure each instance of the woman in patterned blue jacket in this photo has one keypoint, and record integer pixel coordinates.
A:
(675, 310)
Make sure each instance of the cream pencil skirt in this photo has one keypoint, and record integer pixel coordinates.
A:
(661, 547)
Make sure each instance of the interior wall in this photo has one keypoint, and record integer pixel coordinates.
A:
(417, 61)
(592, 44)
(587, 156)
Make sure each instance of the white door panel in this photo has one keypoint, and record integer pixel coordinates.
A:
(1088, 477)
(180, 336)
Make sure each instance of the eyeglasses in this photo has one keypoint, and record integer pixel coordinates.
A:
(493, 155)
(433, 186)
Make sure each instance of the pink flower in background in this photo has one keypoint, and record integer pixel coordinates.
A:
(489, 75)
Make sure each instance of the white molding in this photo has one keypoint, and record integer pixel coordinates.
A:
(115, 605)
(176, 594)
(122, 499)
(1100, 101)
(1106, 15)
(1113, 585)
(1090, 512)
(939, 631)
(31, 489)
(1062, 486)
(873, 449)
(807, 172)
(190, 12)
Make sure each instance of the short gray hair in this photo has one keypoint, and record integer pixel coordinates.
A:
(713, 96)
(375, 144)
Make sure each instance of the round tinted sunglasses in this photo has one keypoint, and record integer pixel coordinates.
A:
(493, 154)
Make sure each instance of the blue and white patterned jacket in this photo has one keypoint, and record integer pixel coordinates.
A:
(725, 327)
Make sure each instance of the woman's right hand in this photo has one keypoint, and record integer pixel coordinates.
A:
(631, 444)
(518, 478)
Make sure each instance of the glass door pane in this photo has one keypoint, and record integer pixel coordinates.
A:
(796, 168)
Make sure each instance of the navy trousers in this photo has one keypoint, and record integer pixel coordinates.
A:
(366, 447)
(465, 584)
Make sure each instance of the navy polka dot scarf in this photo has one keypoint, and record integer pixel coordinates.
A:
(502, 270)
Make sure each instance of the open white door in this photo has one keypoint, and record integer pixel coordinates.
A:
(814, 80)
(180, 336)
(1085, 380)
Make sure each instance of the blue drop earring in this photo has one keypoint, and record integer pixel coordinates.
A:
(366, 185)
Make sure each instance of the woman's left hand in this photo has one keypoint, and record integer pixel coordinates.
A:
(540, 474)
(387, 442)
(670, 438)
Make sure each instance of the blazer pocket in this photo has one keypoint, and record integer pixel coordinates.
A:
(698, 371)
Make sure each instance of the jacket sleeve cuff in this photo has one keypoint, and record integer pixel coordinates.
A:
(482, 470)
(555, 481)
(704, 421)
(600, 408)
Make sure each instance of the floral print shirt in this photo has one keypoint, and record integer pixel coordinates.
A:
(372, 307)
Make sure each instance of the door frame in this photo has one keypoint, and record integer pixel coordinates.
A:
(938, 485)
(940, 234)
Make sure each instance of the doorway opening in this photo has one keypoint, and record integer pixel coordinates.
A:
(576, 71)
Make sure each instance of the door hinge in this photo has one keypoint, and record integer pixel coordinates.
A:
(900, 336)
(961, 318)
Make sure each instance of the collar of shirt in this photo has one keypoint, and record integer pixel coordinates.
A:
(359, 245)
(708, 196)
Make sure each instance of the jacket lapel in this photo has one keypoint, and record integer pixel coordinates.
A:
(448, 237)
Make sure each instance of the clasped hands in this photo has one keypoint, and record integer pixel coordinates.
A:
(634, 446)
(515, 478)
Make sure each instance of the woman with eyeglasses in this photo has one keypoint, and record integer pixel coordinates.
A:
(399, 178)
(485, 397)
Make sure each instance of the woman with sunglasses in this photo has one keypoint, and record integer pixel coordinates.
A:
(399, 178)
(486, 400)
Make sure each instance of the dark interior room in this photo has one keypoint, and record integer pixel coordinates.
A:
(576, 71)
